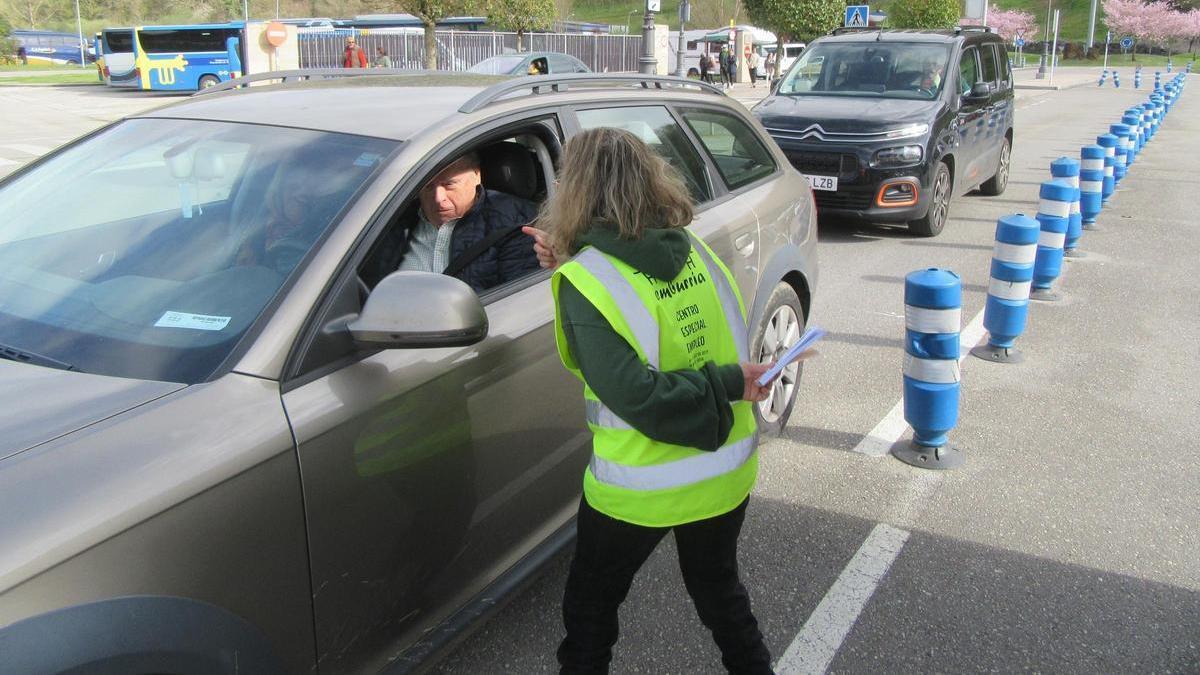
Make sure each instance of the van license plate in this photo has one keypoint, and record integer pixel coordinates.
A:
(822, 182)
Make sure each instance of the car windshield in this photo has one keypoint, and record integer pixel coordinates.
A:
(870, 69)
(148, 250)
(497, 65)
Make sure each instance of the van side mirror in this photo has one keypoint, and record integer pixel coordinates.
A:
(980, 90)
(419, 309)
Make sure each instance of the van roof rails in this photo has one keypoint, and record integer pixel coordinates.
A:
(973, 28)
(284, 76)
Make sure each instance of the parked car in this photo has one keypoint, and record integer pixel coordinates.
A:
(544, 63)
(889, 126)
(235, 440)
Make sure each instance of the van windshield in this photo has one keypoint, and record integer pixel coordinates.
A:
(869, 69)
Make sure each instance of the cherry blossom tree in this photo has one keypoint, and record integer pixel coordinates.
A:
(1009, 23)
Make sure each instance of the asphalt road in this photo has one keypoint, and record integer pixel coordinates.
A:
(1068, 541)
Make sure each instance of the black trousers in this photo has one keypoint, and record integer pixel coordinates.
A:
(609, 552)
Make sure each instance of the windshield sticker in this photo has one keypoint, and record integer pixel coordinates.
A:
(189, 320)
(367, 159)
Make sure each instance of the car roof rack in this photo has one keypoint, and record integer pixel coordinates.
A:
(840, 30)
(306, 74)
(973, 28)
(539, 84)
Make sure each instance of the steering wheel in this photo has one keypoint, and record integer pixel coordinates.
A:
(283, 255)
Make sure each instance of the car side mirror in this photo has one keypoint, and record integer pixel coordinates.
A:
(419, 309)
(979, 90)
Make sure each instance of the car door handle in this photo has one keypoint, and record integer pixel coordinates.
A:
(744, 244)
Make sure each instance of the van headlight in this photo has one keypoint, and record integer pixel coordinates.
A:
(890, 158)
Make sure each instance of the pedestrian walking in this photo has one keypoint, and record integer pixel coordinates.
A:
(22, 55)
(733, 66)
(655, 329)
(382, 60)
(752, 63)
(723, 63)
(704, 76)
(770, 65)
(354, 56)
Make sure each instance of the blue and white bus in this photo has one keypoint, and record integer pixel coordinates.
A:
(114, 57)
(187, 58)
(44, 46)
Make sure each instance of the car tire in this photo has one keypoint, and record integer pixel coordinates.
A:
(207, 81)
(931, 224)
(781, 325)
(996, 184)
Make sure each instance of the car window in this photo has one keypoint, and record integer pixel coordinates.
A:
(1005, 67)
(560, 63)
(655, 126)
(987, 59)
(968, 72)
(734, 147)
(149, 249)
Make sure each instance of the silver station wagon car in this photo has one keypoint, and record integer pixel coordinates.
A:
(236, 439)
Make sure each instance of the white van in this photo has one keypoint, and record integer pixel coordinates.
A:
(791, 51)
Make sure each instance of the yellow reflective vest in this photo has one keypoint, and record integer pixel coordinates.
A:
(695, 318)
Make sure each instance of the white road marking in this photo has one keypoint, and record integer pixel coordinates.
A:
(818, 642)
(879, 441)
(36, 150)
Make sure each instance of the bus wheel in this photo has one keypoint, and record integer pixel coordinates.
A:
(207, 81)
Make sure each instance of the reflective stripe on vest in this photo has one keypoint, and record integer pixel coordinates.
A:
(674, 474)
(599, 415)
(644, 327)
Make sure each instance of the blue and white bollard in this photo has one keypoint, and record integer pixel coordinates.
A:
(1065, 168)
(1103, 77)
(1170, 65)
(1054, 210)
(1147, 132)
(1109, 143)
(1008, 291)
(1137, 78)
(1121, 158)
(1132, 119)
(1189, 68)
(1116, 79)
(932, 319)
(1157, 80)
(1091, 182)
(1156, 114)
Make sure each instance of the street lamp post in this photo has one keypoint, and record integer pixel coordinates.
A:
(1041, 71)
(647, 63)
(79, 27)
(685, 14)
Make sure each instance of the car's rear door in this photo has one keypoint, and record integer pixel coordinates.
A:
(992, 133)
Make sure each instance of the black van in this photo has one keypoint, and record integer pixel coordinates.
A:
(889, 125)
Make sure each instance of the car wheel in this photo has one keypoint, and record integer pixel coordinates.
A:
(996, 184)
(207, 81)
(781, 326)
(939, 205)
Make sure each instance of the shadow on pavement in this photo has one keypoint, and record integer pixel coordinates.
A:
(946, 605)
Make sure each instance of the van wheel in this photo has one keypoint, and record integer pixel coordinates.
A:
(207, 81)
(781, 326)
(939, 205)
(996, 184)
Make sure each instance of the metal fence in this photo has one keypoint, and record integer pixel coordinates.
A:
(459, 50)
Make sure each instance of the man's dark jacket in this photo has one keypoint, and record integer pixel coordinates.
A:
(510, 259)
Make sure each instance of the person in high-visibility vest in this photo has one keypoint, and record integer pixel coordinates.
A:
(653, 325)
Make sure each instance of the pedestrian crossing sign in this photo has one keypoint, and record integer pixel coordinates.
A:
(858, 16)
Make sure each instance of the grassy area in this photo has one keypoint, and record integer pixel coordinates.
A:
(70, 78)
(1148, 62)
(34, 65)
(624, 13)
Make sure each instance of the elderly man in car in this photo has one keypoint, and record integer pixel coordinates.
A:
(468, 231)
